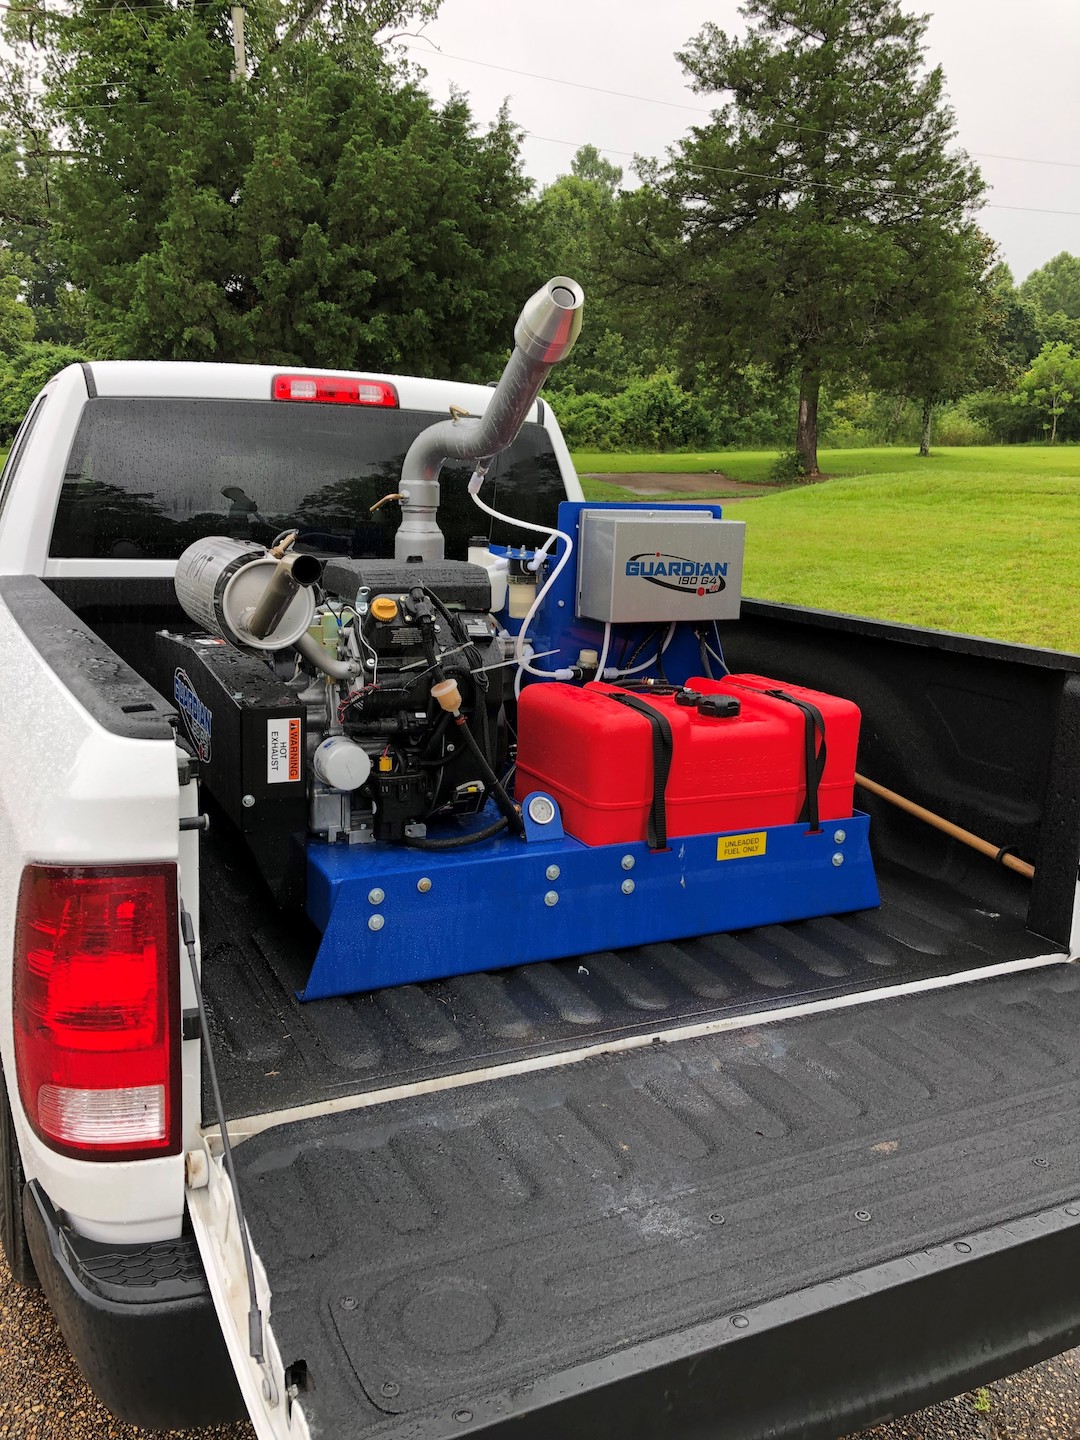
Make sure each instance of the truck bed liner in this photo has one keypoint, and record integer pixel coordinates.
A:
(274, 1053)
(472, 1252)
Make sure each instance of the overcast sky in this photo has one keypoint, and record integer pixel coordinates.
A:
(1012, 70)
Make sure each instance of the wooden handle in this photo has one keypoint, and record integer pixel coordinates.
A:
(946, 826)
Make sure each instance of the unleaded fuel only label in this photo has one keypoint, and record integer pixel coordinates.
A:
(737, 847)
(282, 751)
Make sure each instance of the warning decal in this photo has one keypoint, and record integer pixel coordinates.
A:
(736, 847)
(282, 751)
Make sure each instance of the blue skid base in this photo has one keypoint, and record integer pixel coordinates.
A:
(490, 906)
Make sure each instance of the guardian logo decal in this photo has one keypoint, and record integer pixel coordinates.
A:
(676, 572)
(198, 720)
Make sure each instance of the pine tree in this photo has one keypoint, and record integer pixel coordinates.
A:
(786, 229)
(319, 209)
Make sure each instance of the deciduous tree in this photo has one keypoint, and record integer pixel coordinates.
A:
(1055, 286)
(1051, 386)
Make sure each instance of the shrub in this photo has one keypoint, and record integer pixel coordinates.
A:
(787, 467)
(656, 413)
(954, 425)
(653, 412)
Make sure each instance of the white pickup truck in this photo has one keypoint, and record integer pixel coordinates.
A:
(782, 1182)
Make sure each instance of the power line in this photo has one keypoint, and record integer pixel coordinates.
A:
(179, 9)
(625, 95)
(806, 184)
(697, 109)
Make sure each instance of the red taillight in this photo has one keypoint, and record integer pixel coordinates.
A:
(334, 390)
(96, 1008)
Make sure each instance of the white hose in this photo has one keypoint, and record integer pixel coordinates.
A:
(600, 664)
(644, 664)
(553, 534)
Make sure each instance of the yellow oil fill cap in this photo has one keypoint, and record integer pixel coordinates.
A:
(384, 609)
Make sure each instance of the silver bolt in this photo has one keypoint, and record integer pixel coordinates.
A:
(371, 664)
(423, 885)
(248, 801)
(375, 922)
(375, 897)
(551, 898)
(553, 872)
(840, 837)
(628, 862)
(450, 749)
(628, 887)
(838, 859)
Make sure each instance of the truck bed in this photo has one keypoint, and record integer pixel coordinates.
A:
(506, 1254)
(275, 1053)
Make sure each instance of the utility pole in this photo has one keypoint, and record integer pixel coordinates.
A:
(240, 69)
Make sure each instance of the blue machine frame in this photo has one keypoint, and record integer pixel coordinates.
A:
(391, 916)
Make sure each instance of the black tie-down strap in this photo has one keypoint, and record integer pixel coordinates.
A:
(815, 763)
(662, 749)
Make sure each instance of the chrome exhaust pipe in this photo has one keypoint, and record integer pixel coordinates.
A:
(545, 333)
(294, 571)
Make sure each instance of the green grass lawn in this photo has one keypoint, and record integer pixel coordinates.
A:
(983, 539)
(738, 464)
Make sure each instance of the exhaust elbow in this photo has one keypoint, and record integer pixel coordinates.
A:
(547, 327)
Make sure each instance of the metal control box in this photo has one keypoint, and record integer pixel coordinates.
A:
(640, 564)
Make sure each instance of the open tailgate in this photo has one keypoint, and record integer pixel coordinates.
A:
(771, 1229)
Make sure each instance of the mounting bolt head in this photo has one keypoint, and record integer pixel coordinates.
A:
(376, 896)
(839, 837)
(375, 922)
(553, 872)
(627, 862)
(423, 885)
(628, 887)
(838, 859)
(248, 801)
(551, 898)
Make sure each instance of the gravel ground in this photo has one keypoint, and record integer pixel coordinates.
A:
(43, 1397)
(1038, 1404)
(42, 1394)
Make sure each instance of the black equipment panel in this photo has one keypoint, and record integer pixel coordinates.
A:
(248, 730)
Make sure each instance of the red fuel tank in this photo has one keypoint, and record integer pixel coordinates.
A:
(595, 756)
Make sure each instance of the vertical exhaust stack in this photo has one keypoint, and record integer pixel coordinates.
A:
(545, 333)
